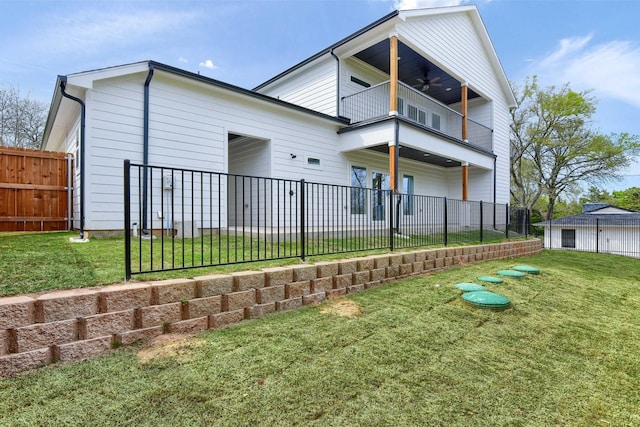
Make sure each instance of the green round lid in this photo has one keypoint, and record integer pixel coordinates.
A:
(489, 279)
(470, 287)
(527, 269)
(511, 273)
(486, 299)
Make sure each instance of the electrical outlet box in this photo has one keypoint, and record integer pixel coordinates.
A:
(167, 182)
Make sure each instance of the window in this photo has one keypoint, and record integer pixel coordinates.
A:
(415, 114)
(358, 192)
(313, 162)
(422, 117)
(407, 189)
(435, 121)
(568, 238)
(412, 112)
(381, 184)
(360, 82)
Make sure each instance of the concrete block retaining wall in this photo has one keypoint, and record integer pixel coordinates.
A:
(83, 323)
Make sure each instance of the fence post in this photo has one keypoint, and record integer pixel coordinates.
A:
(127, 219)
(481, 223)
(446, 232)
(303, 230)
(391, 246)
(507, 220)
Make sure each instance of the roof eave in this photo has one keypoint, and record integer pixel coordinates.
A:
(246, 92)
(54, 107)
(329, 49)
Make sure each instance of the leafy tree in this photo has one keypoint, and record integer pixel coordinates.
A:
(22, 119)
(627, 199)
(596, 194)
(554, 147)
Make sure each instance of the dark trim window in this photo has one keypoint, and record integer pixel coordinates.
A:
(358, 192)
(360, 82)
(435, 121)
(568, 238)
(407, 189)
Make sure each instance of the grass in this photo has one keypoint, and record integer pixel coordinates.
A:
(565, 353)
(38, 262)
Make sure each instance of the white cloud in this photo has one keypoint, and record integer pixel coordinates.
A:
(208, 64)
(183, 60)
(92, 31)
(611, 69)
(566, 48)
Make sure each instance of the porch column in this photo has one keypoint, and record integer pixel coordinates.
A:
(465, 134)
(465, 137)
(465, 180)
(393, 107)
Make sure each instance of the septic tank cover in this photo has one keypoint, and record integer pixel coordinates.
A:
(489, 279)
(511, 273)
(526, 269)
(485, 299)
(470, 287)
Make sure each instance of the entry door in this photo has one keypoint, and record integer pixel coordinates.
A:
(380, 182)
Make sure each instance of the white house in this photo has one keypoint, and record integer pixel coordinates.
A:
(599, 228)
(416, 102)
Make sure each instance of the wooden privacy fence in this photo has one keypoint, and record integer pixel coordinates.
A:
(34, 190)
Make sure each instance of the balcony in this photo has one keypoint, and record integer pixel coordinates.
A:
(373, 103)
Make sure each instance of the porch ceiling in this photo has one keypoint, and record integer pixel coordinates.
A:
(420, 156)
(413, 66)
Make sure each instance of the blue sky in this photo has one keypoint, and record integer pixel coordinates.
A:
(590, 44)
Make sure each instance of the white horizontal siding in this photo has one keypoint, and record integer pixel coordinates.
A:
(356, 68)
(452, 42)
(313, 87)
(188, 127)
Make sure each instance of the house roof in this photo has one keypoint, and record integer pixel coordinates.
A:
(399, 16)
(621, 217)
(85, 79)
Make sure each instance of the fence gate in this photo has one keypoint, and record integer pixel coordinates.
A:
(34, 190)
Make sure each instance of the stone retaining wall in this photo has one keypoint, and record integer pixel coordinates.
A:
(83, 323)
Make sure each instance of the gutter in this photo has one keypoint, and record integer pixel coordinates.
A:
(145, 149)
(246, 92)
(63, 85)
(337, 83)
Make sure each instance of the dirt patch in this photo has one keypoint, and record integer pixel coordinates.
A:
(169, 345)
(344, 308)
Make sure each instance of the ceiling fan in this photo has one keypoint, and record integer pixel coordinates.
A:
(426, 83)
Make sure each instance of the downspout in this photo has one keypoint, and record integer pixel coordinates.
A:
(338, 100)
(145, 149)
(495, 180)
(63, 85)
(395, 184)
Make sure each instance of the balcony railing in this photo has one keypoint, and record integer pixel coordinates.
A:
(373, 103)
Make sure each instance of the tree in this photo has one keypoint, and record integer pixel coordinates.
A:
(22, 120)
(554, 147)
(627, 199)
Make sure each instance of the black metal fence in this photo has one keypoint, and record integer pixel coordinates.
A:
(607, 233)
(181, 218)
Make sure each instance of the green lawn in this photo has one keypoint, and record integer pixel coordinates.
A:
(565, 353)
(38, 262)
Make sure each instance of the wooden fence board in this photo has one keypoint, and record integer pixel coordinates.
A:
(33, 190)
